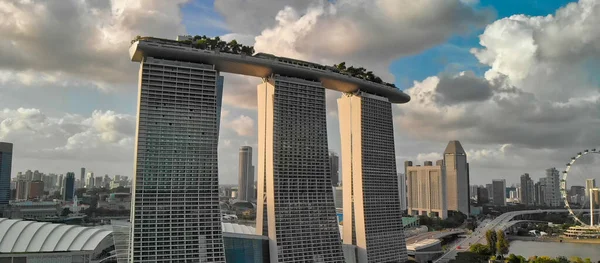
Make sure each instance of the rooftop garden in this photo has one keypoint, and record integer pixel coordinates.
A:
(361, 73)
(233, 47)
(207, 43)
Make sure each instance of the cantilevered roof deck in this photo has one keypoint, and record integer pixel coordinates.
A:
(262, 67)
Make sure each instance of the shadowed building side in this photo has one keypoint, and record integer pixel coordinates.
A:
(6, 151)
(175, 211)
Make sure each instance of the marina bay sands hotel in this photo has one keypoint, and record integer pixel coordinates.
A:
(175, 213)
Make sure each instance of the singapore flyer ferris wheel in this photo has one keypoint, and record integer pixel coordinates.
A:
(585, 197)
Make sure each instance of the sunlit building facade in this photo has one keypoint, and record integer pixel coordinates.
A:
(295, 198)
(372, 211)
(426, 189)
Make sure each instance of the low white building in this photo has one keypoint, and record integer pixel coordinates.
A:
(42, 242)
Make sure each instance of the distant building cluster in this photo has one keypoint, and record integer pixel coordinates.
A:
(545, 192)
(36, 185)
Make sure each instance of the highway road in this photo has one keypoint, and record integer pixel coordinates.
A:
(478, 236)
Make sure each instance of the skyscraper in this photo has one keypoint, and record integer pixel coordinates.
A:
(175, 214)
(6, 150)
(426, 189)
(457, 177)
(499, 192)
(372, 212)
(526, 190)
(334, 163)
(82, 178)
(245, 174)
(36, 189)
(295, 198)
(22, 190)
(402, 190)
(482, 195)
(552, 195)
(69, 187)
(540, 192)
(90, 180)
(490, 190)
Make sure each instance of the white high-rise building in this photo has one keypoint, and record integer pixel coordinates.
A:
(89, 180)
(175, 215)
(372, 212)
(245, 174)
(552, 193)
(295, 198)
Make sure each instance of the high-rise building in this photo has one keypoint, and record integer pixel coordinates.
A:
(175, 215)
(22, 190)
(540, 192)
(61, 182)
(69, 187)
(482, 195)
(82, 178)
(499, 192)
(589, 184)
(245, 174)
(402, 190)
(98, 182)
(295, 198)
(90, 180)
(527, 191)
(6, 150)
(426, 189)
(372, 212)
(334, 163)
(457, 178)
(552, 194)
(473, 192)
(37, 176)
(36, 189)
(490, 190)
(577, 194)
(28, 175)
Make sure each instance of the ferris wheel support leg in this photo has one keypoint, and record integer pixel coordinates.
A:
(591, 207)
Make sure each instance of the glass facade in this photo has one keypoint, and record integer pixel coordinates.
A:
(5, 169)
(247, 250)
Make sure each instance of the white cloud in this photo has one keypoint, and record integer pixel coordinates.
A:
(242, 125)
(104, 136)
(81, 40)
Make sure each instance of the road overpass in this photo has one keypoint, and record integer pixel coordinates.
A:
(262, 66)
(499, 223)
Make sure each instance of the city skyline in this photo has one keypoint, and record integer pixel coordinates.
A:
(88, 113)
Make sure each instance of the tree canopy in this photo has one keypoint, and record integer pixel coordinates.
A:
(361, 72)
(233, 47)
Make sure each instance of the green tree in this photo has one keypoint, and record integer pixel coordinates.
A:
(501, 243)
(65, 212)
(490, 236)
(480, 249)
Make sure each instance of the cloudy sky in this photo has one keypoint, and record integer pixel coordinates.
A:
(517, 82)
